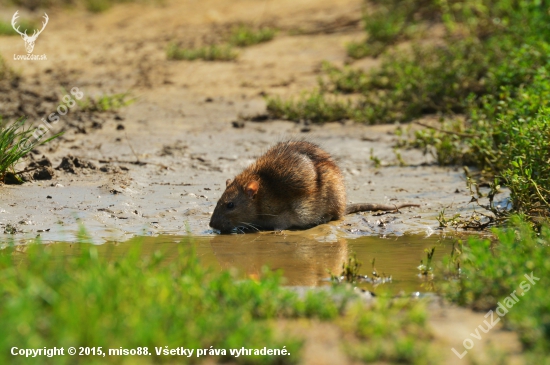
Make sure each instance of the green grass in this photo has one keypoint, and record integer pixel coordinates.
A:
(135, 302)
(391, 331)
(315, 107)
(244, 36)
(16, 141)
(208, 53)
(99, 6)
(240, 36)
(506, 131)
(393, 21)
(7, 29)
(384, 27)
(88, 299)
(106, 102)
(491, 271)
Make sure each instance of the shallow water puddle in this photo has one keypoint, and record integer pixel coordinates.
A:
(304, 261)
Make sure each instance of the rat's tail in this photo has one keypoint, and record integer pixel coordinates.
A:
(364, 207)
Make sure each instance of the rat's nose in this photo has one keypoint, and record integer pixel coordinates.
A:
(215, 222)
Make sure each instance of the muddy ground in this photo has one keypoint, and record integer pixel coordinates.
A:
(159, 165)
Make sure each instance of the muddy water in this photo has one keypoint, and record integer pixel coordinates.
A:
(303, 260)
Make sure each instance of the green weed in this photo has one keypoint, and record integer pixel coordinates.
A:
(426, 268)
(314, 107)
(350, 273)
(98, 6)
(360, 50)
(16, 141)
(454, 221)
(350, 270)
(506, 137)
(208, 53)
(7, 29)
(345, 81)
(394, 331)
(240, 36)
(399, 158)
(384, 28)
(493, 271)
(398, 20)
(78, 301)
(376, 160)
(244, 36)
(107, 102)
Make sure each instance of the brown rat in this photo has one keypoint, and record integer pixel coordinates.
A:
(295, 184)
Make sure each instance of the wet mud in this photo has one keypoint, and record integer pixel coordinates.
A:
(158, 165)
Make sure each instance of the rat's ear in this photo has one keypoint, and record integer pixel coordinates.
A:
(227, 182)
(252, 188)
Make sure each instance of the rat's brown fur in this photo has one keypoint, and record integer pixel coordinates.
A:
(295, 184)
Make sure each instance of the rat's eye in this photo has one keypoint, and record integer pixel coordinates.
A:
(230, 205)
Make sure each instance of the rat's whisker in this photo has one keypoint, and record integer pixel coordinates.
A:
(255, 226)
(251, 226)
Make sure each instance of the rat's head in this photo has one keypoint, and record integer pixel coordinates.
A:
(236, 207)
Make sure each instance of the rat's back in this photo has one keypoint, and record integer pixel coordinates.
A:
(302, 182)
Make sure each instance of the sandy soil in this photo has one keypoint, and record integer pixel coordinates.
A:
(158, 165)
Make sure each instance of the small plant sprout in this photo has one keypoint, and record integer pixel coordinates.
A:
(244, 36)
(399, 158)
(106, 102)
(426, 270)
(446, 222)
(208, 53)
(350, 270)
(377, 162)
(350, 273)
(454, 261)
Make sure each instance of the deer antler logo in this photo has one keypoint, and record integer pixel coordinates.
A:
(29, 40)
